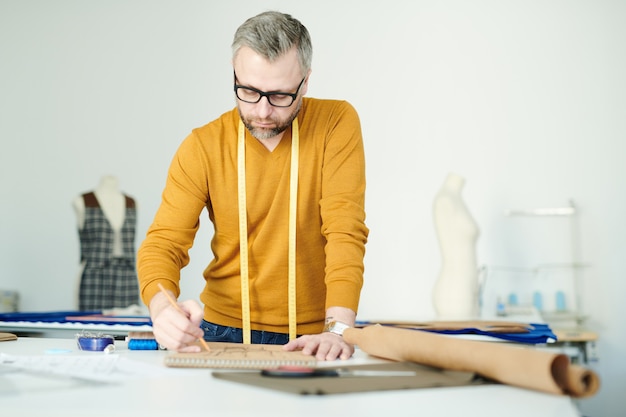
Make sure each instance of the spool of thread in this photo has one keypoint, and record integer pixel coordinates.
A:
(538, 301)
(96, 343)
(560, 301)
(143, 344)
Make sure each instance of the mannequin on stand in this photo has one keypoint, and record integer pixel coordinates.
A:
(106, 226)
(455, 295)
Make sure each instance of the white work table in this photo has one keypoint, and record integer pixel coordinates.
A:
(155, 390)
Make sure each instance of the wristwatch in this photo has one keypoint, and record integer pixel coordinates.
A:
(336, 327)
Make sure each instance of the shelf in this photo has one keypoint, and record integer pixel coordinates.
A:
(539, 212)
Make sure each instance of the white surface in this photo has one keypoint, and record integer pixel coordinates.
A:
(152, 389)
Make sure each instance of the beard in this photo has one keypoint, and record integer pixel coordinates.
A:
(280, 126)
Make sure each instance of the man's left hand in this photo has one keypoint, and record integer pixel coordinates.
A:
(325, 346)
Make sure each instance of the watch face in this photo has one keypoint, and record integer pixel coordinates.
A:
(336, 327)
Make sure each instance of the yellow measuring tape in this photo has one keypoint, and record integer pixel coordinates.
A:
(243, 230)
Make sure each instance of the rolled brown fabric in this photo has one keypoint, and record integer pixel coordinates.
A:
(507, 363)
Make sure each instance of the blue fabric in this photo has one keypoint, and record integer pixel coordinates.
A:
(537, 333)
(75, 317)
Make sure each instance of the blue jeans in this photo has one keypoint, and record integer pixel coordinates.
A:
(217, 333)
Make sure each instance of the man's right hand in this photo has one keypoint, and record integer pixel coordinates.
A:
(173, 329)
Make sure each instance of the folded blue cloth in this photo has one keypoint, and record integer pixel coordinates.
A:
(537, 334)
(92, 317)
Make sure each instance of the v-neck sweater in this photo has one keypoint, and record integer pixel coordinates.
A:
(330, 225)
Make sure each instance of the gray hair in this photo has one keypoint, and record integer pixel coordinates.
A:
(272, 34)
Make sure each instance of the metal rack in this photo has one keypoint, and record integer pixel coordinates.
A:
(566, 314)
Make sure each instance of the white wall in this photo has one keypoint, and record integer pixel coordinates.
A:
(525, 99)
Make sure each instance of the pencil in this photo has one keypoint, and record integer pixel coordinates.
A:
(173, 302)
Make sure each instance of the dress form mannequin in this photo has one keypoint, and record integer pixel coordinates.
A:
(455, 295)
(106, 224)
(113, 204)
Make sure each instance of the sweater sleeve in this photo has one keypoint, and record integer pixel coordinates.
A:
(165, 250)
(343, 208)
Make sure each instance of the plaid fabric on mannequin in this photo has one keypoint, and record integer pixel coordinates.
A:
(107, 281)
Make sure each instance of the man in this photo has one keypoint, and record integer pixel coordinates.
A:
(259, 288)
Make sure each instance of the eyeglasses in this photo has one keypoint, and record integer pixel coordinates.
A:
(275, 98)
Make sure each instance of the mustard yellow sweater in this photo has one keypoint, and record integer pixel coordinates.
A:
(331, 231)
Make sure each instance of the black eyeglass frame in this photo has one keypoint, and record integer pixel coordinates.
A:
(267, 94)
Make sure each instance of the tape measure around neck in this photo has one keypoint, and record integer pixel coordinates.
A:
(243, 231)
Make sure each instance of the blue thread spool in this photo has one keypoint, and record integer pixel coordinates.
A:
(560, 301)
(143, 344)
(95, 343)
(500, 308)
(537, 301)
